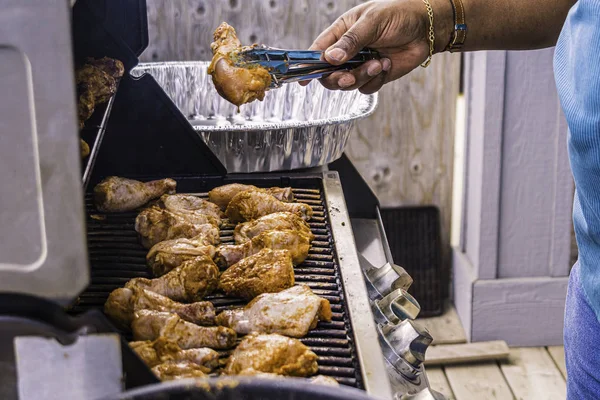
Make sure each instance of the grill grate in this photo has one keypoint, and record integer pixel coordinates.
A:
(116, 256)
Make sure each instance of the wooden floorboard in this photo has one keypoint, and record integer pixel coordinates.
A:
(466, 352)
(482, 381)
(439, 382)
(558, 355)
(532, 375)
(445, 329)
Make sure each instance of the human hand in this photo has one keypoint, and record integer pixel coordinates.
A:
(397, 29)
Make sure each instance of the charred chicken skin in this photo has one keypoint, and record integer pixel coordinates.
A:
(246, 231)
(235, 84)
(250, 205)
(162, 350)
(150, 325)
(264, 272)
(122, 304)
(115, 194)
(292, 312)
(222, 195)
(297, 243)
(169, 254)
(155, 224)
(273, 353)
(191, 281)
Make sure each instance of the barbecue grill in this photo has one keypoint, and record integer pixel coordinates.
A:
(371, 345)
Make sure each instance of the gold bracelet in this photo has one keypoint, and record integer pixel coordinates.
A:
(431, 35)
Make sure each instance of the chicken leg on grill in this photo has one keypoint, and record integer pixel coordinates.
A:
(273, 353)
(169, 254)
(297, 243)
(192, 208)
(191, 281)
(162, 350)
(150, 325)
(120, 194)
(244, 232)
(292, 312)
(155, 225)
(249, 205)
(173, 370)
(122, 303)
(222, 195)
(267, 271)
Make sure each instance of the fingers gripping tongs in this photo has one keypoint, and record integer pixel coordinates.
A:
(287, 66)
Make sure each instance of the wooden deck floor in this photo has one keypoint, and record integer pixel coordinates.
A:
(528, 373)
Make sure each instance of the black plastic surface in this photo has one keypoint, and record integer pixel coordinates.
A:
(360, 199)
(414, 237)
(23, 315)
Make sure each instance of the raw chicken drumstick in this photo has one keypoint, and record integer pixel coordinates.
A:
(169, 254)
(162, 350)
(292, 312)
(244, 232)
(155, 225)
(191, 281)
(295, 242)
(236, 85)
(122, 304)
(267, 271)
(150, 325)
(222, 195)
(249, 205)
(121, 194)
(273, 353)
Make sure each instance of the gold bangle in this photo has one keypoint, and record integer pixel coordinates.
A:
(431, 35)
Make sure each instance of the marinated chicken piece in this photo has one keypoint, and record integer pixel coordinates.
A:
(101, 84)
(162, 350)
(170, 371)
(150, 325)
(324, 380)
(115, 194)
(169, 254)
(235, 84)
(122, 303)
(155, 224)
(222, 195)
(109, 65)
(292, 312)
(192, 208)
(267, 271)
(191, 281)
(250, 205)
(271, 354)
(271, 222)
(86, 103)
(85, 148)
(297, 243)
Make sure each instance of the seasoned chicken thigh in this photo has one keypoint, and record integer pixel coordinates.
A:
(191, 281)
(192, 208)
(169, 254)
(162, 350)
(172, 370)
(236, 85)
(244, 232)
(121, 194)
(249, 205)
(222, 195)
(155, 225)
(150, 325)
(273, 353)
(122, 303)
(296, 243)
(109, 65)
(292, 312)
(267, 271)
(100, 83)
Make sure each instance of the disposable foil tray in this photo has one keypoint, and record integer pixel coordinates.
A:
(294, 127)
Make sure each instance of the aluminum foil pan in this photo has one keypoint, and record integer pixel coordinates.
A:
(294, 127)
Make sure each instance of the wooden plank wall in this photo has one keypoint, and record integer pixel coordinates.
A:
(404, 151)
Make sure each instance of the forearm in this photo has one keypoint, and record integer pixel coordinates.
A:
(503, 24)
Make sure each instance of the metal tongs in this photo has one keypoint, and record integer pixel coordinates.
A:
(286, 66)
